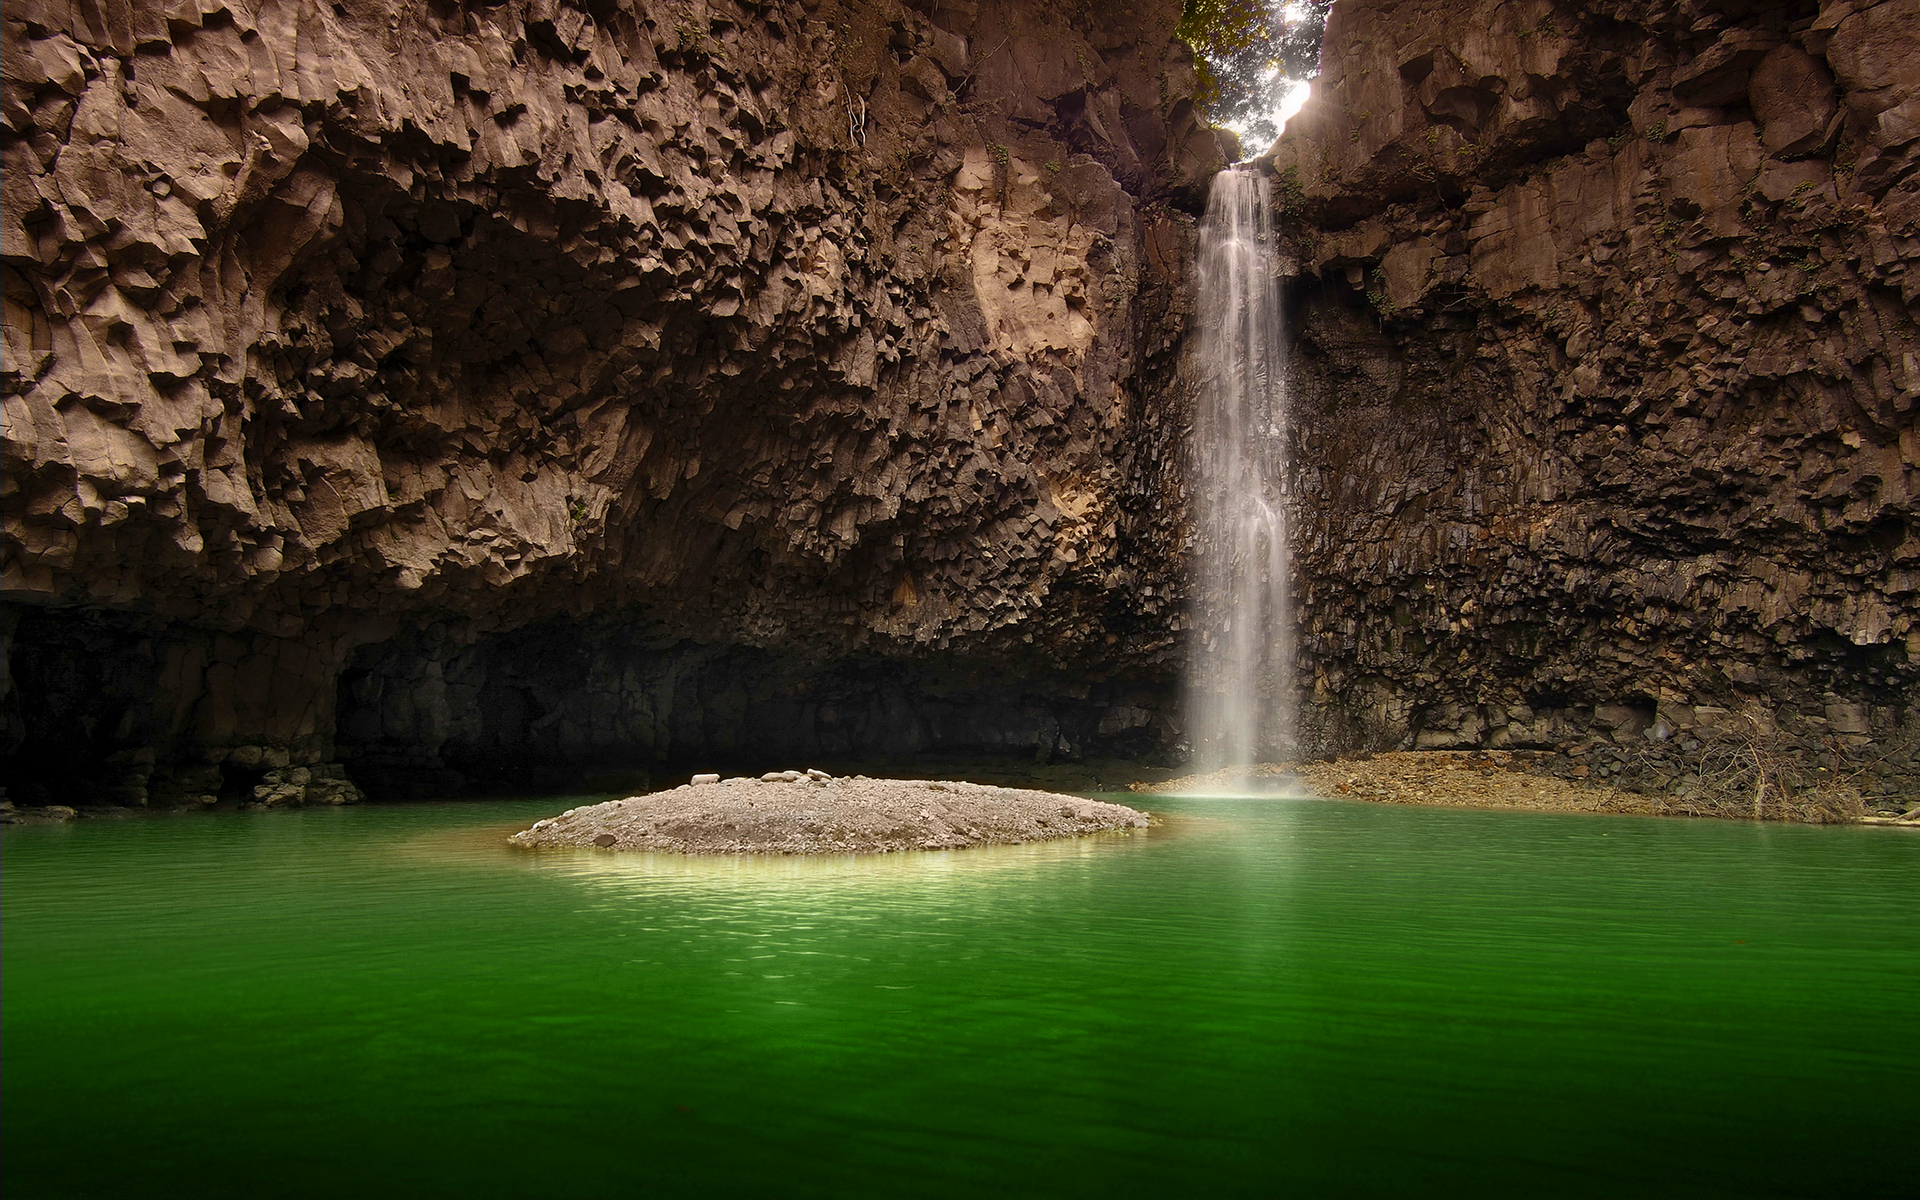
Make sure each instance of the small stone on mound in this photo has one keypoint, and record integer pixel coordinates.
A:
(793, 812)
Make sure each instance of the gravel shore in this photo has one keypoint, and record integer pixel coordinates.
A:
(1462, 778)
(800, 813)
(1479, 779)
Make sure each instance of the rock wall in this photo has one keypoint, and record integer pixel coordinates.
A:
(439, 387)
(833, 329)
(554, 703)
(1608, 381)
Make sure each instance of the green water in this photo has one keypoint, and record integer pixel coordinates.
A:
(1264, 997)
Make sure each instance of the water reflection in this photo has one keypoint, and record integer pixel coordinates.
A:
(1251, 999)
(644, 872)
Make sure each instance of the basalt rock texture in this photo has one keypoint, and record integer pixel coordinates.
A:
(343, 340)
(1607, 382)
(431, 386)
(555, 699)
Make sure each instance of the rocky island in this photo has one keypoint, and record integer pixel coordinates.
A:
(794, 812)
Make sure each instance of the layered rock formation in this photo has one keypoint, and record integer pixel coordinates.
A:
(1608, 380)
(831, 328)
(439, 387)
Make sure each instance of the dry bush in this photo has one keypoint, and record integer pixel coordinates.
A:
(1755, 771)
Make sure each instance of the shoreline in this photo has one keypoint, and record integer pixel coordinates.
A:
(1502, 780)
(1506, 780)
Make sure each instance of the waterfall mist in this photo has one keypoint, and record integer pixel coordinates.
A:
(1240, 686)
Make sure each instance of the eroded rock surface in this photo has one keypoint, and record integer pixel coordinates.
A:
(435, 385)
(795, 812)
(819, 327)
(1608, 381)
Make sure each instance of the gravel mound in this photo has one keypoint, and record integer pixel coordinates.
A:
(791, 812)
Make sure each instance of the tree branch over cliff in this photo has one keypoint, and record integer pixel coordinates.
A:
(1248, 51)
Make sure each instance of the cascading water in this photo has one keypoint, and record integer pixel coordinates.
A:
(1240, 679)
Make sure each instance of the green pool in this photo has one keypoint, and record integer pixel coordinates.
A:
(1262, 997)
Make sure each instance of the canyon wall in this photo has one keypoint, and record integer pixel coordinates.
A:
(426, 391)
(1607, 385)
(344, 340)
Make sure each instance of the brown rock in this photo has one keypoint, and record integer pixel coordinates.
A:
(1792, 98)
(1572, 427)
(456, 386)
(325, 323)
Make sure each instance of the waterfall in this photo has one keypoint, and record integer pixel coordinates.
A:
(1240, 677)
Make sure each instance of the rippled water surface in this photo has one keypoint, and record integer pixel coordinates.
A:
(1282, 997)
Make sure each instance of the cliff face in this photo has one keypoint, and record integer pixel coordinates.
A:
(440, 388)
(342, 340)
(1607, 380)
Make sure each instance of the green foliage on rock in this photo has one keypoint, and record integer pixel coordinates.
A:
(1247, 52)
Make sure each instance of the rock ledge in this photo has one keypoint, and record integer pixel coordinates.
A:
(792, 812)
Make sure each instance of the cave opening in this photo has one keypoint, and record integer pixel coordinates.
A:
(559, 703)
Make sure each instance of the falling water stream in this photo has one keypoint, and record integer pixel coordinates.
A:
(1240, 686)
